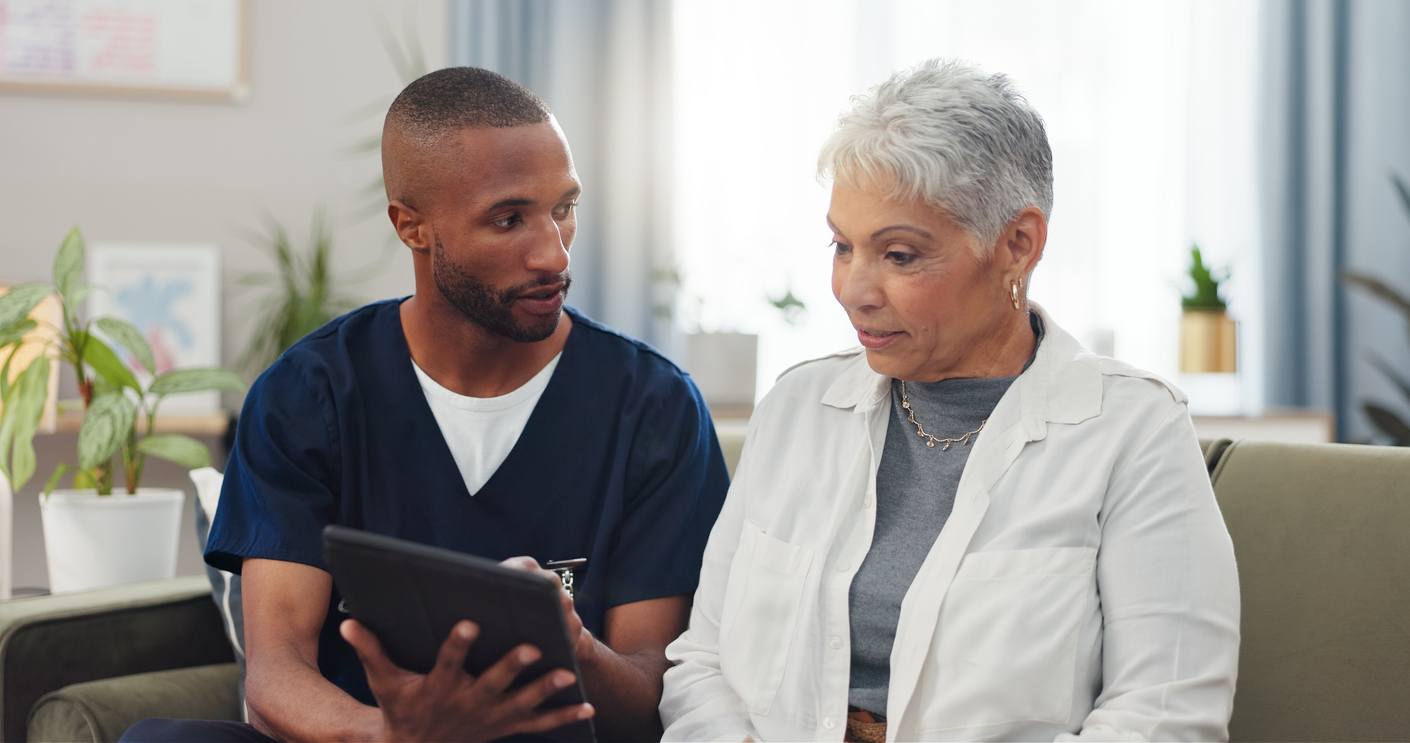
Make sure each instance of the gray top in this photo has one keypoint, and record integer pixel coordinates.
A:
(915, 490)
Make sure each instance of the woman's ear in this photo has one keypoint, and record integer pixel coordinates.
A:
(1022, 242)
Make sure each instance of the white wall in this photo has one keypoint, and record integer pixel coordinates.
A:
(127, 169)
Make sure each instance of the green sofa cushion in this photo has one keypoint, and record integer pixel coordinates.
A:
(49, 642)
(1322, 537)
(103, 710)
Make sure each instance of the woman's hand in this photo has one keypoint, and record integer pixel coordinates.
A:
(450, 704)
(584, 644)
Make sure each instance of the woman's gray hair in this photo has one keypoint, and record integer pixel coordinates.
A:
(965, 142)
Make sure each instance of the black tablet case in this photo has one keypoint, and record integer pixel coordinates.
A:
(410, 595)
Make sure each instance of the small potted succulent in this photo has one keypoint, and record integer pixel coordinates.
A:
(94, 537)
(1208, 337)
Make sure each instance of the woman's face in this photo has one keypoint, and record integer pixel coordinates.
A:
(925, 308)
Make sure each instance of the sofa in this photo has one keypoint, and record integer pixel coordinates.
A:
(1321, 534)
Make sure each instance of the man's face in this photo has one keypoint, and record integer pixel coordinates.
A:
(502, 216)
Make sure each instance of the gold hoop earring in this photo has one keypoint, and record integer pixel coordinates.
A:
(1013, 292)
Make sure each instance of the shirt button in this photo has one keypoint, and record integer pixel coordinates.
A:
(834, 642)
(868, 502)
(843, 566)
(828, 723)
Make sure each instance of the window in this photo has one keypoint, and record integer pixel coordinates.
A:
(1150, 112)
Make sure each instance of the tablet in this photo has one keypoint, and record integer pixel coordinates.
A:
(410, 595)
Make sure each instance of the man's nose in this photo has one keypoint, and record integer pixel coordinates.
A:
(550, 251)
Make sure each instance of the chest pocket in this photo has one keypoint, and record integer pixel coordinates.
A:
(1005, 648)
(760, 613)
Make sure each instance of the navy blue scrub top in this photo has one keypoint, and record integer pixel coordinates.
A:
(618, 463)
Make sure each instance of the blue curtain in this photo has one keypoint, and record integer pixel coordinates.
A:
(1336, 125)
(603, 66)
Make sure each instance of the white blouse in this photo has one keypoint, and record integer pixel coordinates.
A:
(1084, 586)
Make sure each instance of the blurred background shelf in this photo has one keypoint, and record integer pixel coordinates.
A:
(206, 424)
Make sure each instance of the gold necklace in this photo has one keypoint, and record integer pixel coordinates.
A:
(920, 430)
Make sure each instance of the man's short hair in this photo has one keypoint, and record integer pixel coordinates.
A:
(439, 104)
(462, 98)
(964, 141)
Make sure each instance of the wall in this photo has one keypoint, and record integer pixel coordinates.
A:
(139, 170)
(128, 169)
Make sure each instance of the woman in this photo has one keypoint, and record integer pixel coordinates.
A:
(974, 529)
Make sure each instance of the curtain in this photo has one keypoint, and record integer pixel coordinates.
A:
(604, 67)
(1336, 125)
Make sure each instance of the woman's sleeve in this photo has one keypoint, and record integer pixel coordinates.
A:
(697, 702)
(1169, 595)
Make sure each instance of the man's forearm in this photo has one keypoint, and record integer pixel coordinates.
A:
(625, 689)
(295, 703)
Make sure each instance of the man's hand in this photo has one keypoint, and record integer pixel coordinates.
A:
(584, 644)
(622, 671)
(448, 703)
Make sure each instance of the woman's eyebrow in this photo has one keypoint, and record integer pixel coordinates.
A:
(904, 227)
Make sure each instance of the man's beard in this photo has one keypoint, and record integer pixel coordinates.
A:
(493, 312)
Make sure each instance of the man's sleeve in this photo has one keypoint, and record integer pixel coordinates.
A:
(279, 482)
(676, 484)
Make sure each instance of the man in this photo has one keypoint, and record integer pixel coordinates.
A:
(479, 416)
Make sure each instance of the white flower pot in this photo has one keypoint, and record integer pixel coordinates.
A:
(95, 540)
(724, 367)
(7, 538)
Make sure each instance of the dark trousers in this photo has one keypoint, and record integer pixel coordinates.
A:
(168, 730)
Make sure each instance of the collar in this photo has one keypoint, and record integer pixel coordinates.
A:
(1062, 385)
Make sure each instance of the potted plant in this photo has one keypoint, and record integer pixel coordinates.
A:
(92, 536)
(1391, 424)
(1208, 337)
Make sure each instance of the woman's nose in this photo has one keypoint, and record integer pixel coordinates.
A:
(857, 285)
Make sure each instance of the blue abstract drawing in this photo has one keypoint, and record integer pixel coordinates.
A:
(151, 308)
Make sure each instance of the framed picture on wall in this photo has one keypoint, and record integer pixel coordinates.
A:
(171, 294)
(190, 49)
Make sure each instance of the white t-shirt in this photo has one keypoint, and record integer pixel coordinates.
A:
(481, 431)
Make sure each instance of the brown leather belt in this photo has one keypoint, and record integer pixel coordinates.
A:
(863, 727)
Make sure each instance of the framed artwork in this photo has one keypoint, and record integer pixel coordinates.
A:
(192, 49)
(171, 294)
(42, 339)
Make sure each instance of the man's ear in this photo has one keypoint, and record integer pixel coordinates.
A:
(1022, 241)
(411, 227)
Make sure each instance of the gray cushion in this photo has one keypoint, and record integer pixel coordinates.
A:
(102, 710)
(228, 598)
(1322, 537)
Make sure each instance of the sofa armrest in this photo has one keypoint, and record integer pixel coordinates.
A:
(101, 711)
(49, 642)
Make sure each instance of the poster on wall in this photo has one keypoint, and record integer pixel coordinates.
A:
(171, 294)
(168, 48)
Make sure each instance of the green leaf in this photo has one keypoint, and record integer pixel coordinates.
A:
(68, 264)
(85, 480)
(178, 448)
(197, 380)
(1377, 288)
(1403, 191)
(130, 338)
(53, 481)
(108, 422)
(20, 301)
(107, 364)
(81, 293)
(24, 407)
(15, 333)
(1389, 423)
(1400, 382)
